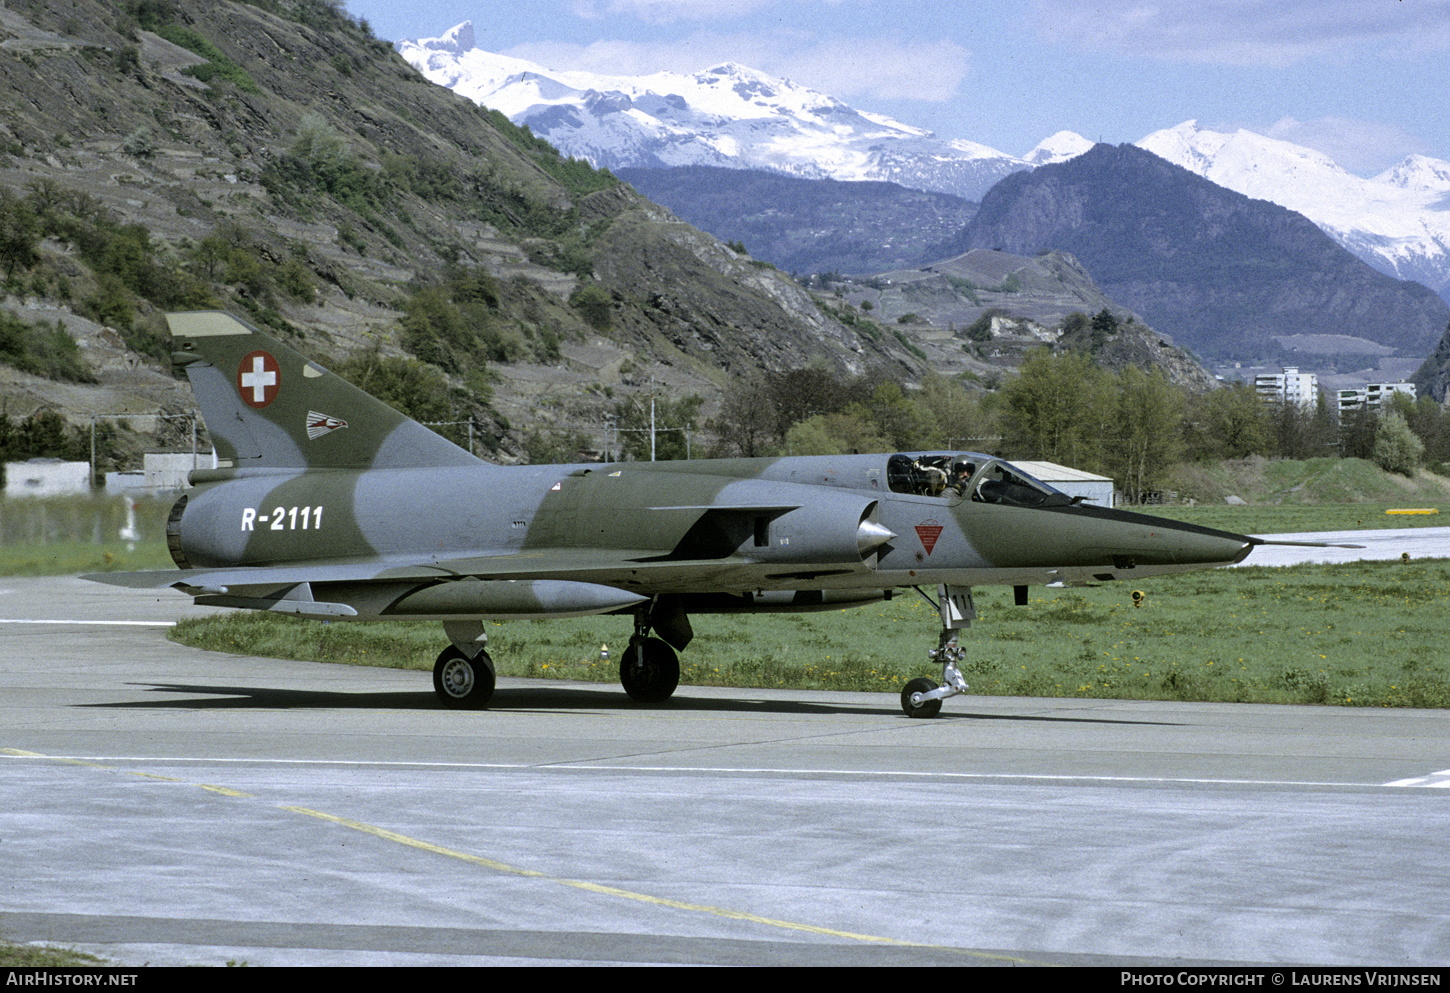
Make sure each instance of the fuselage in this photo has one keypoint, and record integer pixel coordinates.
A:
(856, 522)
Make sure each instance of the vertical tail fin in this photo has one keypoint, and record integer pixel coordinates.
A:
(267, 407)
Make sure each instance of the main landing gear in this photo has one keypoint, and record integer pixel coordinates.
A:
(649, 669)
(922, 697)
(463, 676)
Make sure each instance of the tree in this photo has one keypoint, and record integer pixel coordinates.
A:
(1147, 434)
(1105, 326)
(1229, 423)
(318, 144)
(1358, 429)
(433, 330)
(959, 419)
(594, 305)
(1396, 449)
(747, 422)
(812, 437)
(800, 394)
(19, 234)
(1427, 420)
(1057, 409)
(675, 424)
(892, 415)
(980, 330)
(1295, 430)
(407, 385)
(45, 434)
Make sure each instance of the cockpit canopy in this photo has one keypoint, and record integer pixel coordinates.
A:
(959, 475)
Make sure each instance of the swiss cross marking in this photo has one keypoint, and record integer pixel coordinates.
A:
(258, 379)
(928, 532)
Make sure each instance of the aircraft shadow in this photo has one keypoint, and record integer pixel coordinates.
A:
(543, 699)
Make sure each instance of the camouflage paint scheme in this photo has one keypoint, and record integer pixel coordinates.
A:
(328, 503)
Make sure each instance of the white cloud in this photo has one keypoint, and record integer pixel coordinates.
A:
(857, 68)
(854, 69)
(1245, 32)
(1364, 148)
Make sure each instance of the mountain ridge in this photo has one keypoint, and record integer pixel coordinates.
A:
(808, 226)
(726, 115)
(1398, 222)
(1222, 272)
(316, 184)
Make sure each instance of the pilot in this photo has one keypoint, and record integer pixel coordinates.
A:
(961, 476)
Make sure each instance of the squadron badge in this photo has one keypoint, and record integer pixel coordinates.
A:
(321, 424)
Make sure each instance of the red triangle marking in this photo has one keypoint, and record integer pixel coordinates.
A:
(928, 532)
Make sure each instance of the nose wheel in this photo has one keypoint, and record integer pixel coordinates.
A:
(914, 700)
(922, 697)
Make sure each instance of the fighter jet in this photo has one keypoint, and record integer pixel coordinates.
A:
(327, 503)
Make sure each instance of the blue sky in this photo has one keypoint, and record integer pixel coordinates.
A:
(1364, 81)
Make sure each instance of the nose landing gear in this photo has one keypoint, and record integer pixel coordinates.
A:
(922, 697)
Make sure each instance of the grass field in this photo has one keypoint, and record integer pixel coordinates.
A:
(56, 536)
(1367, 634)
(45, 957)
(1363, 634)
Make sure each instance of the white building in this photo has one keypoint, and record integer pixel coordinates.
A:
(46, 478)
(1098, 490)
(1289, 386)
(161, 472)
(1373, 396)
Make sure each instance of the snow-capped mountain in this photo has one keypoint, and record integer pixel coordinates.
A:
(1398, 222)
(1059, 148)
(728, 115)
(736, 117)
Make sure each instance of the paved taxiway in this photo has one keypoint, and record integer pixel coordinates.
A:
(1379, 545)
(165, 805)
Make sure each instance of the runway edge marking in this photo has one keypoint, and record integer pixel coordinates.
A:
(1435, 780)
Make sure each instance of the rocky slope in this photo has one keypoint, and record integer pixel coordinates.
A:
(285, 126)
(981, 312)
(808, 226)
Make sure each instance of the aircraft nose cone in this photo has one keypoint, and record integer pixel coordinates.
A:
(871, 536)
(1209, 546)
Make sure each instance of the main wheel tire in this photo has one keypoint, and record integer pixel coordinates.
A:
(649, 670)
(463, 683)
(927, 708)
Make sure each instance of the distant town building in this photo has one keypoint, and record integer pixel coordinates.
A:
(1372, 396)
(1289, 386)
(46, 478)
(162, 472)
